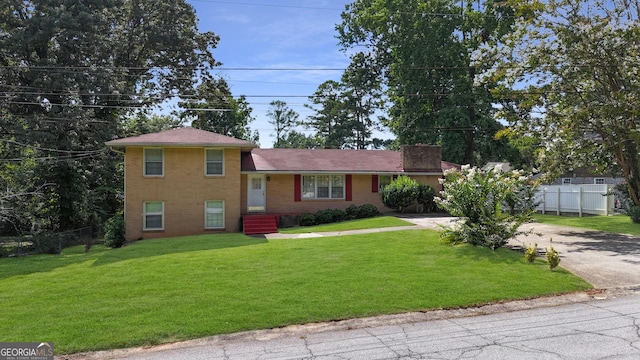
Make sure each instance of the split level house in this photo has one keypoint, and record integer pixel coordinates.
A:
(187, 181)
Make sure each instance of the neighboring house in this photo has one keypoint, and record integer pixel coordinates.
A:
(586, 177)
(188, 181)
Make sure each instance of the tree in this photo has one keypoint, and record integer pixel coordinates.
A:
(422, 52)
(492, 205)
(213, 108)
(298, 140)
(283, 119)
(141, 123)
(331, 121)
(70, 70)
(363, 97)
(580, 59)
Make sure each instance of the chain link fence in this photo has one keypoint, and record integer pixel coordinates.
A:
(47, 242)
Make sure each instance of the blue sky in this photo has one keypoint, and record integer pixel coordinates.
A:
(284, 34)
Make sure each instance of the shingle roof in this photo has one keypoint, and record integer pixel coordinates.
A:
(185, 136)
(325, 160)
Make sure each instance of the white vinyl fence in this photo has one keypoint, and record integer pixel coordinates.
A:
(580, 199)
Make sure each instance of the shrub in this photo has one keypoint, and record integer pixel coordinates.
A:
(307, 219)
(324, 216)
(634, 213)
(425, 196)
(339, 215)
(367, 211)
(553, 257)
(530, 252)
(352, 212)
(479, 198)
(114, 230)
(400, 193)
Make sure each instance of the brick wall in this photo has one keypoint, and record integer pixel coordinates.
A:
(184, 188)
(280, 194)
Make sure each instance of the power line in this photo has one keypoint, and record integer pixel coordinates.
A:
(267, 5)
(70, 152)
(100, 69)
(434, 14)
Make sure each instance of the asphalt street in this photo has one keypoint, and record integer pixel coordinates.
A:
(595, 329)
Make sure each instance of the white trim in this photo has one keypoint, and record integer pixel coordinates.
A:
(144, 161)
(144, 216)
(315, 187)
(206, 210)
(206, 161)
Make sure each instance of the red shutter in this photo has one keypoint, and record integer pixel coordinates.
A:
(348, 193)
(374, 183)
(297, 188)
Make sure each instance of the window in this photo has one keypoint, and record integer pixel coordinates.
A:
(323, 186)
(598, 181)
(214, 214)
(214, 162)
(566, 181)
(154, 215)
(153, 162)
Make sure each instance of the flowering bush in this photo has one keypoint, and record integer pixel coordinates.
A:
(491, 205)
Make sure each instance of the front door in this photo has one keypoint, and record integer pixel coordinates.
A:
(256, 193)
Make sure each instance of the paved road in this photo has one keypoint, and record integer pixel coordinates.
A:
(596, 329)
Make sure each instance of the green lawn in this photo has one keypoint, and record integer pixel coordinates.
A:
(164, 290)
(370, 223)
(620, 224)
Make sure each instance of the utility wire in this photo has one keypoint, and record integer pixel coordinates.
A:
(100, 69)
(434, 14)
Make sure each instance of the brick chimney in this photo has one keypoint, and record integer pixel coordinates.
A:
(421, 158)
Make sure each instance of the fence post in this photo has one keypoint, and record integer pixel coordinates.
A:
(606, 197)
(580, 202)
(558, 210)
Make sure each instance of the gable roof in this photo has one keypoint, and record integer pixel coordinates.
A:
(325, 160)
(322, 160)
(182, 137)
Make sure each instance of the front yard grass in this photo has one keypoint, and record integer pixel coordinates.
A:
(620, 224)
(157, 291)
(360, 224)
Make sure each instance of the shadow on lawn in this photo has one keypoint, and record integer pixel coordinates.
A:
(498, 256)
(137, 250)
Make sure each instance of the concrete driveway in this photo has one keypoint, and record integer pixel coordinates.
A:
(606, 260)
